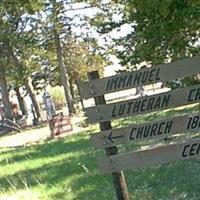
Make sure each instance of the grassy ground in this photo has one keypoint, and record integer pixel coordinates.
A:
(66, 169)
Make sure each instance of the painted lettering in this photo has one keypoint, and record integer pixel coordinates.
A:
(160, 128)
(145, 76)
(122, 82)
(151, 75)
(158, 102)
(108, 85)
(168, 127)
(194, 94)
(150, 130)
(191, 150)
(143, 105)
(132, 79)
(157, 78)
(136, 106)
(114, 83)
(190, 96)
(121, 109)
(197, 97)
(184, 150)
(139, 132)
(129, 81)
(166, 100)
(114, 114)
(129, 107)
(137, 79)
(189, 123)
(146, 131)
(154, 129)
(194, 122)
(131, 135)
(150, 103)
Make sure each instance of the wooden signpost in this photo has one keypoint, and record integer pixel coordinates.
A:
(157, 129)
(118, 177)
(159, 155)
(172, 99)
(108, 138)
(159, 73)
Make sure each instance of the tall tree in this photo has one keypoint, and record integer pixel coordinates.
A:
(164, 31)
(5, 94)
(58, 25)
(55, 8)
(80, 57)
(24, 68)
(20, 100)
(19, 20)
(63, 69)
(3, 66)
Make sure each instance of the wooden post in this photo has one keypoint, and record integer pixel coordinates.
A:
(118, 177)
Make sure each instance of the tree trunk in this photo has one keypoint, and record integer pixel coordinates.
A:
(17, 64)
(71, 88)
(63, 70)
(5, 94)
(21, 101)
(33, 98)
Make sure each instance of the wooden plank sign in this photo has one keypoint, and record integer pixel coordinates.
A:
(146, 158)
(164, 72)
(157, 129)
(171, 99)
(118, 178)
(103, 113)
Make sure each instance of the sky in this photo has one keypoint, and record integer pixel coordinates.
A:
(102, 40)
(87, 30)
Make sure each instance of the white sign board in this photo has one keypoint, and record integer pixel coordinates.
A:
(146, 158)
(164, 72)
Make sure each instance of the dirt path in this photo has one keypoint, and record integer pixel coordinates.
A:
(25, 137)
(31, 136)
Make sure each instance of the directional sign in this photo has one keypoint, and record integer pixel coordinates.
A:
(151, 157)
(174, 98)
(164, 72)
(152, 130)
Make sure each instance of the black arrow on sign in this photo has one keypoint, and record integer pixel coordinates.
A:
(110, 138)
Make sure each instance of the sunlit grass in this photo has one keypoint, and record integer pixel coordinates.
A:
(66, 169)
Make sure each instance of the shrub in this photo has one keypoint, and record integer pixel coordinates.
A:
(58, 97)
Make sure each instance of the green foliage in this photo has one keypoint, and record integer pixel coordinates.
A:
(163, 31)
(18, 36)
(67, 169)
(27, 40)
(188, 81)
(58, 97)
(80, 59)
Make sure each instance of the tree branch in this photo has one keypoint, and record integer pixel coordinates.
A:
(75, 9)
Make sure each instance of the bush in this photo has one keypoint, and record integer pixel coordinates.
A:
(58, 97)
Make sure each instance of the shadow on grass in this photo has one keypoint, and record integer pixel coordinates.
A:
(49, 148)
(80, 168)
(177, 180)
(77, 175)
(54, 171)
